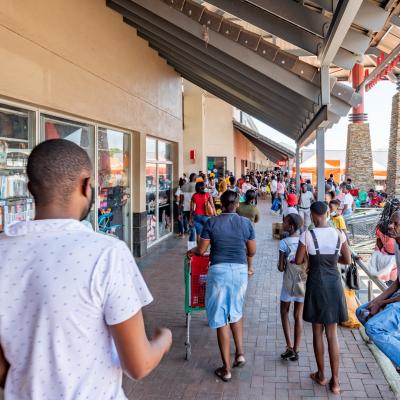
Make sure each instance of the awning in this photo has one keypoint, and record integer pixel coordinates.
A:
(271, 149)
(246, 52)
(245, 68)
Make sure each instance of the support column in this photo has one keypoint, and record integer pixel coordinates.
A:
(297, 169)
(359, 163)
(139, 215)
(320, 163)
(393, 167)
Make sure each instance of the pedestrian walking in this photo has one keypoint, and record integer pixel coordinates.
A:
(201, 208)
(325, 304)
(293, 286)
(249, 210)
(70, 298)
(305, 201)
(232, 239)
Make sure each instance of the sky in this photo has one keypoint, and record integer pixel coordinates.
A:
(378, 105)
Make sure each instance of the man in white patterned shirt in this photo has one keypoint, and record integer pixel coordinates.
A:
(68, 294)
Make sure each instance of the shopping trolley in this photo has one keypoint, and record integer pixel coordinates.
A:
(195, 270)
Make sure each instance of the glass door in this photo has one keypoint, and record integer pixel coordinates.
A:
(151, 202)
(114, 190)
(17, 138)
(164, 199)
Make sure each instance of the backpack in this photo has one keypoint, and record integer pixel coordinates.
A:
(294, 278)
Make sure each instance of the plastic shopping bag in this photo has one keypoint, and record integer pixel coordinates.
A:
(352, 305)
(381, 263)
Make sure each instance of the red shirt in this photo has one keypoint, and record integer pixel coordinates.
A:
(200, 200)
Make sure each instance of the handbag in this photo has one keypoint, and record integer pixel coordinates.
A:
(352, 277)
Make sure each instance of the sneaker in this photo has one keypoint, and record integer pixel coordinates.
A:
(295, 356)
(288, 354)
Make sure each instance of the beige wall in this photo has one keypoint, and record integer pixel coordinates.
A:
(193, 128)
(218, 130)
(79, 57)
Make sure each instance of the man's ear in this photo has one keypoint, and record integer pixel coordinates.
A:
(86, 188)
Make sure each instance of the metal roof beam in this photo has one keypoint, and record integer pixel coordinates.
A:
(237, 103)
(273, 101)
(149, 24)
(271, 23)
(192, 71)
(288, 11)
(343, 18)
(169, 16)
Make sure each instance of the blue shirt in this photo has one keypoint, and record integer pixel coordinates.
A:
(228, 234)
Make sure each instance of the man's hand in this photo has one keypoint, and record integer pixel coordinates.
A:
(190, 254)
(375, 307)
(164, 335)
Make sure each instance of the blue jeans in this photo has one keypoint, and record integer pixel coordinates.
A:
(199, 222)
(384, 329)
(183, 222)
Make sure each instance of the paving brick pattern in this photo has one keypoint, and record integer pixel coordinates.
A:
(265, 376)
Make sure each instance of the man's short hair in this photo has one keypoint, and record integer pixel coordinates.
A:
(319, 208)
(54, 168)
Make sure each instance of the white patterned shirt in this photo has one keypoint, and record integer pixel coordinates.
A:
(61, 286)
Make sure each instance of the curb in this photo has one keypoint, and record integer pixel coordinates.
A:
(389, 371)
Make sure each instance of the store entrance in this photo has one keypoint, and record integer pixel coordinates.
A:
(217, 165)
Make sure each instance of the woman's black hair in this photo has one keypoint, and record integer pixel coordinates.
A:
(200, 187)
(250, 196)
(319, 208)
(295, 220)
(229, 201)
(389, 209)
(181, 182)
(232, 180)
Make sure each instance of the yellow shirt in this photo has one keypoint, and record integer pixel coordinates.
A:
(222, 186)
(338, 222)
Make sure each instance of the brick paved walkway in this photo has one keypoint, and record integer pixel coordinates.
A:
(265, 376)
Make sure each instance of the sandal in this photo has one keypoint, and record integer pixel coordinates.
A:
(250, 273)
(335, 390)
(289, 353)
(223, 374)
(315, 377)
(240, 361)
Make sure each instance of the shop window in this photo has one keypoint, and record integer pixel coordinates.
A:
(151, 149)
(158, 189)
(17, 138)
(114, 189)
(79, 133)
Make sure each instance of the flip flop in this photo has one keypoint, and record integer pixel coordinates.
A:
(315, 378)
(223, 374)
(334, 391)
(240, 361)
(250, 273)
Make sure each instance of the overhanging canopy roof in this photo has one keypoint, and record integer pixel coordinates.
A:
(242, 67)
(271, 149)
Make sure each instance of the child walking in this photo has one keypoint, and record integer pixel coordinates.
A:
(325, 303)
(293, 285)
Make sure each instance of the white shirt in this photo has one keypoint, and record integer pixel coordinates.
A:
(326, 238)
(397, 252)
(348, 200)
(247, 186)
(61, 286)
(290, 210)
(274, 186)
(306, 199)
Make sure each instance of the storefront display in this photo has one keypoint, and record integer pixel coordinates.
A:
(81, 134)
(17, 138)
(114, 183)
(158, 189)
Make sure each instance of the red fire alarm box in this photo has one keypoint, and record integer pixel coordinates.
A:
(192, 155)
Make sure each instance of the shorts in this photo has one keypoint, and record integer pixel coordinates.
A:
(285, 297)
(199, 222)
(225, 293)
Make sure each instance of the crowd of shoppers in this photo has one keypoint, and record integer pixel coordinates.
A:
(104, 298)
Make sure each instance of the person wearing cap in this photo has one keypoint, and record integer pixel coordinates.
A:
(291, 205)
